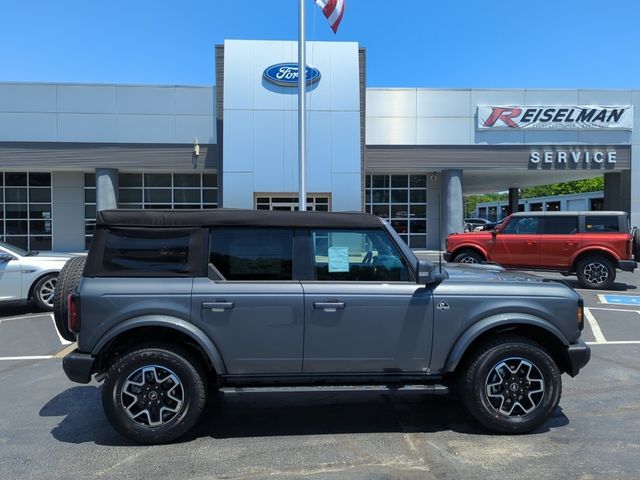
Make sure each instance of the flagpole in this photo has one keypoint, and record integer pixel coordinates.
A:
(302, 84)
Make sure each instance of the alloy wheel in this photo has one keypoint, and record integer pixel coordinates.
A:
(46, 291)
(514, 387)
(152, 395)
(596, 273)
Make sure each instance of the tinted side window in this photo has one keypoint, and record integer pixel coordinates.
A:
(146, 253)
(601, 223)
(560, 225)
(360, 255)
(522, 225)
(252, 253)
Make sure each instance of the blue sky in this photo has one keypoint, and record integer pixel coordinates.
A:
(415, 43)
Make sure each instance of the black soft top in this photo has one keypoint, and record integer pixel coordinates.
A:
(233, 217)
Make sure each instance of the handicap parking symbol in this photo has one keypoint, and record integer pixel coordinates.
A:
(621, 299)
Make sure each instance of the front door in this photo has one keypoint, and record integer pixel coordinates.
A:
(517, 243)
(10, 277)
(255, 315)
(364, 312)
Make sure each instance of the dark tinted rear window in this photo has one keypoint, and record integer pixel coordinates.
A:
(146, 253)
(560, 225)
(252, 254)
(601, 223)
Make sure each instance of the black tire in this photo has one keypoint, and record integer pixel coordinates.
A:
(596, 272)
(44, 291)
(483, 369)
(68, 280)
(636, 244)
(165, 360)
(468, 256)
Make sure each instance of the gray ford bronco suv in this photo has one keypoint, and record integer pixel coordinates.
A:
(171, 304)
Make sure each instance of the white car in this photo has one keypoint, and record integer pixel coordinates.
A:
(28, 276)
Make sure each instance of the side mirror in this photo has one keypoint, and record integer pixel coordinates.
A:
(5, 258)
(428, 273)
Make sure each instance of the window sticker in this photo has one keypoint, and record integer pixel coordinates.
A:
(338, 259)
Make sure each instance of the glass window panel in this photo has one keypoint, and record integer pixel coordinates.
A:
(15, 195)
(209, 180)
(40, 194)
(130, 195)
(252, 254)
(405, 238)
(186, 180)
(1, 229)
(418, 241)
(90, 195)
(16, 211)
(90, 179)
(158, 207)
(40, 242)
(157, 179)
(399, 211)
(157, 195)
(185, 206)
(380, 196)
(39, 227)
(182, 195)
(210, 195)
(1, 179)
(399, 181)
(367, 181)
(89, 227)
(15, 179)
(381, 210)
(39, 179)
(601, 223)
(343, 255)
(380, 181)
(214, 205)
(522, 225)
(135, 206)
(90, 211)
(400, 226)
(367, 196)
(16, 227)
(146, 252)
(40, 211)
(418, 181)
(418, 196)
(560, 225)
(399, 196)
(20, 242)
(322, 208)
(130, 180)
(418, 226)
(418, 210)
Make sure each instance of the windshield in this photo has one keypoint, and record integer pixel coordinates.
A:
(14, 249)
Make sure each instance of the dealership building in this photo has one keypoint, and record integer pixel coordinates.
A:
(405, 154)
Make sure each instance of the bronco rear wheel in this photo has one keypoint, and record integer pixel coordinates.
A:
(510, 385)
(596, 272)
(154, 394)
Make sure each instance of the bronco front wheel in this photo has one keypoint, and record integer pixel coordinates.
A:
(511, 385)
(154, 394)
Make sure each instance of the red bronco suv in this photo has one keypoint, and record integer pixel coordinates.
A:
(589, 244)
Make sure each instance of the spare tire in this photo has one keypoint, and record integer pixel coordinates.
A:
(68, 281)
(636, 244)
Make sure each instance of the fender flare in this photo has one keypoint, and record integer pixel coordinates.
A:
(594, 250)
(469, 246)
(491, 322)
(173, 323)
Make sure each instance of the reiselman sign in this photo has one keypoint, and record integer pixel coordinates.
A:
(555, 117)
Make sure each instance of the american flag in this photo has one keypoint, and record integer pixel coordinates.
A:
(333, 10)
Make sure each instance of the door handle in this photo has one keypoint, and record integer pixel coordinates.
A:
(530, 244)
(218, 306)
(328, 306)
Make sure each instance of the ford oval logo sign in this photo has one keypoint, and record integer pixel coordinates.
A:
(286, 74)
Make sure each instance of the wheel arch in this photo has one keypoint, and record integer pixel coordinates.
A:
(161, 328)
(529, 326)
(469, 246)
(35, 281)
(593, 251)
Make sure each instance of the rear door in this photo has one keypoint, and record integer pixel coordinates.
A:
(255, 315)
(364, 310)
(559, 240)
(517, 243)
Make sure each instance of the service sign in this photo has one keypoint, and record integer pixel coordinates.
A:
(286, 74)
(555, 117)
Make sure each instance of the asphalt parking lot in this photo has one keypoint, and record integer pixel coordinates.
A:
(52, 428)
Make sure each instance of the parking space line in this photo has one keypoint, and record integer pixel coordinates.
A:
(615, 342)
(23, 317)
(615, 309)
(595, 328)
(62, 340)
(64, 351)
(27, 357)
